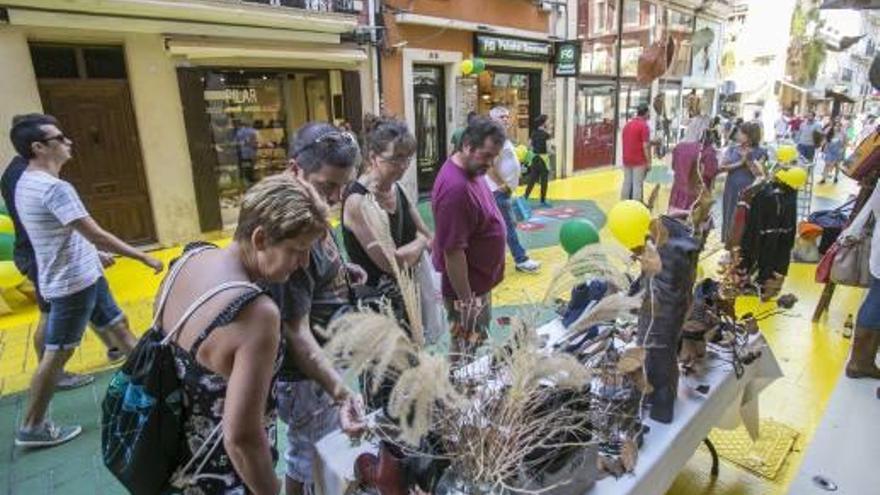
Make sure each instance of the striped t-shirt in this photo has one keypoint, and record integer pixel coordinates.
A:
(67, 263)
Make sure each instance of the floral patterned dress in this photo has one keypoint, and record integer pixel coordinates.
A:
(204, 395)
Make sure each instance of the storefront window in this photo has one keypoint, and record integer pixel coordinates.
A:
(252, 115)
(639, 26)
(512, 90)
(598, 27)
(631, 11)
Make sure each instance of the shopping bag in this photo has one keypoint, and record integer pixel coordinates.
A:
(522, 212)
(850, 266)
(431, 298)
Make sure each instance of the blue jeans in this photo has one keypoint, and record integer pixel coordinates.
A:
(309, 413)
(807, 151)
(502, 199)
(69, 315)
(869, 312)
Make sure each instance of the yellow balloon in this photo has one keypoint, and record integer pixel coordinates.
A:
(629, 222)
(786, 154)
(794, 177)
(521, 152)
(6, 226)
(9, 275)
(467, 67)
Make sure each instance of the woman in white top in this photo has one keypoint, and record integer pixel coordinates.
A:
(867, 335)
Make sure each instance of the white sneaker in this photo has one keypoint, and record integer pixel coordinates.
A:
(528, 266)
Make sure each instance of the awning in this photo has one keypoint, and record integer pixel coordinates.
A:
(850, 4)
(113, 23)
(834, 95)
(206, 52)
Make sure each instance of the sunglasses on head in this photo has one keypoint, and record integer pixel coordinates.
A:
(333, 138)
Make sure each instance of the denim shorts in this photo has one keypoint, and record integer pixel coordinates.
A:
(309, 413)
(69, 315)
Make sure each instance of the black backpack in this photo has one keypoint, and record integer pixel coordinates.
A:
(142, 437)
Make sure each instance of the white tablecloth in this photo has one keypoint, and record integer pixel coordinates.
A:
(728, 403)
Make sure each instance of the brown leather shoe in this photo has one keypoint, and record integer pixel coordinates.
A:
(863, 354)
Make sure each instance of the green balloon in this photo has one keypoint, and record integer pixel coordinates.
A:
(7, 242)
(479, 65)
(576, 234)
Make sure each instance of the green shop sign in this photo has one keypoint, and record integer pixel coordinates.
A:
(567, 59)
(490, 46)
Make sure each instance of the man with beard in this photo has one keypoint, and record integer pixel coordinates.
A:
(470, 234)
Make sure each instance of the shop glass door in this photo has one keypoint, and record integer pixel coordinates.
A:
(430, 110)
(594, 131)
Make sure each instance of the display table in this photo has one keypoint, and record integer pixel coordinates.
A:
(728, 403)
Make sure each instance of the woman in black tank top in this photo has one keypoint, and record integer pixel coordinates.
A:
(389, 148)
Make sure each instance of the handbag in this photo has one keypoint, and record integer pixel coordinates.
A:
(851, 264)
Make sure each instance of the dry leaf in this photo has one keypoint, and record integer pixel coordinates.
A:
(632, 359)
(650, 260)
(659, 233)
(629, 455)
(611, 465)
(641, 382)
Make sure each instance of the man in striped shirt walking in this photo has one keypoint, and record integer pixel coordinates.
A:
(70, 275)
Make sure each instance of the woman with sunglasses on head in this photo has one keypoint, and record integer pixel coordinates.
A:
(389, 148)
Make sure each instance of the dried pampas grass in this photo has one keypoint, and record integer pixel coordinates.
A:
(368, 341)
(376, 220)
(593, 261)
(418, 392)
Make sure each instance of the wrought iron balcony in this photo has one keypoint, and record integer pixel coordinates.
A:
(337, 6)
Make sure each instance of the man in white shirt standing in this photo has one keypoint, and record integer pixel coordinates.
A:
(70, 275)
(503, 179)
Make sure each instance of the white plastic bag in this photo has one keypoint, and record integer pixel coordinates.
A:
(433, 309)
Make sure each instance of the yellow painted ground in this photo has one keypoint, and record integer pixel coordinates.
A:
(811, 355)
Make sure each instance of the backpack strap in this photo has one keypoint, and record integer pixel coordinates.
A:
(225, 317)
(172, 277)
(198, 303)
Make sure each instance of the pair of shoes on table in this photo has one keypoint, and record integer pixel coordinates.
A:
(528, 266)
(47, 435)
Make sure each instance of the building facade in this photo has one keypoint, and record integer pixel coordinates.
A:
(176, 106)
(614, 34)
(844, 72)
(425, 42)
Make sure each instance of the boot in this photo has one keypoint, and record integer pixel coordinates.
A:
(863, 353)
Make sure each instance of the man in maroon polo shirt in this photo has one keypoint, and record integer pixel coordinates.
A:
(469, 239)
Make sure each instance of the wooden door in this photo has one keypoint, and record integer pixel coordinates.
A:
(107, 169)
